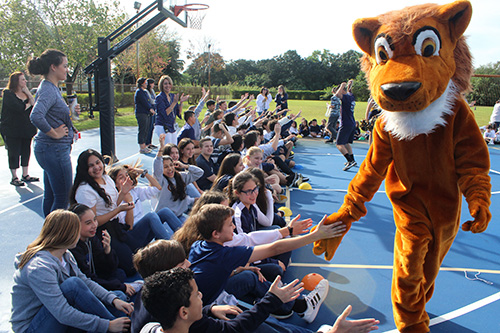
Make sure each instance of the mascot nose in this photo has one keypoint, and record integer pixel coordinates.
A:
(400, 91)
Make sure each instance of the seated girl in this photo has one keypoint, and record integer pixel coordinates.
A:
(158, 225)
(95, 189)
(231, 165)
(51, 294)
(173, 183)
(253, 159)
(186, 156)
(95, 257)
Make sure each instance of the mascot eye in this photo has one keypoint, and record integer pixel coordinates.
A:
(383, 50)
(427, 43)
(428, 47)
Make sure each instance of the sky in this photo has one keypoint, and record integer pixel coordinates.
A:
(262, 29)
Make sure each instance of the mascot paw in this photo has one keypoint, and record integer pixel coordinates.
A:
(329, 246)
(482, 217)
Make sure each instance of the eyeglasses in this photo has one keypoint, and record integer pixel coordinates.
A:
(248, 192)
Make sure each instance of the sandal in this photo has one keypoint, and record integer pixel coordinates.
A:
(28, 178)
(16, 182)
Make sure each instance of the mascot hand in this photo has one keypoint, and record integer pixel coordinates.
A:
(482, 216)
(329, 246)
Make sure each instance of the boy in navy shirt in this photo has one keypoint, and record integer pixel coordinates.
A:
(213, 263)
(205, 162)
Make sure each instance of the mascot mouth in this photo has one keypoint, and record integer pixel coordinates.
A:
(400, 91)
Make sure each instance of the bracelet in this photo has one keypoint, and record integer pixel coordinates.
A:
(144, 173)
(290, 231)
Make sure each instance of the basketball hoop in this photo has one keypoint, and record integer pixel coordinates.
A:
(195, 13)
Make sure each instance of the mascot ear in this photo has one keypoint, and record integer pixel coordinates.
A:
(363, 30)
(458, 15)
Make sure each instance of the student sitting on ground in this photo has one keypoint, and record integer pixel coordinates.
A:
(51, 294)
(173, 183)
(158, 225)
(205, 162)
(230, 167)
(187, 131)
(187, 153)
(95, 257)
(314, 129)
(95, 189)
(213, 263)
(253, 159)
(174, 299)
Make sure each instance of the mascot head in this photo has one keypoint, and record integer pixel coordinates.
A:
(412, 54)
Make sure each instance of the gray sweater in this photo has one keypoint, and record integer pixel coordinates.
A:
(50, 111)
(37, 285)
(165, 197)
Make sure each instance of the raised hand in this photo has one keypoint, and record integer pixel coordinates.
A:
(288, 292)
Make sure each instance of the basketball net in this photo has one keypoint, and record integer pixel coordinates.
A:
(195, 19)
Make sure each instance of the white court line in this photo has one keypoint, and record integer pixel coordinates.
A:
(494, 171)
(20, 204)
(460, 312)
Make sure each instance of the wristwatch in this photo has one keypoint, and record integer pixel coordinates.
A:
(144, 173)
(290, 231)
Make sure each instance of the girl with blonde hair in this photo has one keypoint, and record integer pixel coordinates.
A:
(51, 294)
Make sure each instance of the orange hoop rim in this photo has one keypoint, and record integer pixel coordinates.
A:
(191, 7)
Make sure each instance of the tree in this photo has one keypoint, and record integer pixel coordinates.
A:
(486, 90)
(198, 69)
(71, 26)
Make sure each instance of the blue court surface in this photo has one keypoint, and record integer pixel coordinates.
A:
(466, 298)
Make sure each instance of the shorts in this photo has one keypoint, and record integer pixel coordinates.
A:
(345, 135)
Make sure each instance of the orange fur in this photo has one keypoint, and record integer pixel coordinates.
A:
(426, 173)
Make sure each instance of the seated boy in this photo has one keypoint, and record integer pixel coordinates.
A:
(214, 263)
(174, 299)
(205, 162)
(187, 131)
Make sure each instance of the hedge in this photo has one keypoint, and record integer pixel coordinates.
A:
(292, 94)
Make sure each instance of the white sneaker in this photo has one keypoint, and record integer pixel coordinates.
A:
(325, 328)
(314, 300)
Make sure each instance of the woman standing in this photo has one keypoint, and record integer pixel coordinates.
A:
(152, 99)
(16, 127)
(168, 108)
(281, 99)
(51, 116)
(263, 100)
(51, 294)
(143, 112)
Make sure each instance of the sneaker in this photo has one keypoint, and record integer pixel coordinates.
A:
(145, 151)
(304, 179)
(325, 328)
(282, 314)
(329, 141)
(314, 300)
(152, 146)
(297, 180)
(350, 165)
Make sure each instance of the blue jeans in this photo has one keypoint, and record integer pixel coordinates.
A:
(78, 296)
(192, 191)
(147, 228)
(55, 161)
(170, 221)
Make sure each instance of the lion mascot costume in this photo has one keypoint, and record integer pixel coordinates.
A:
(426, 146)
